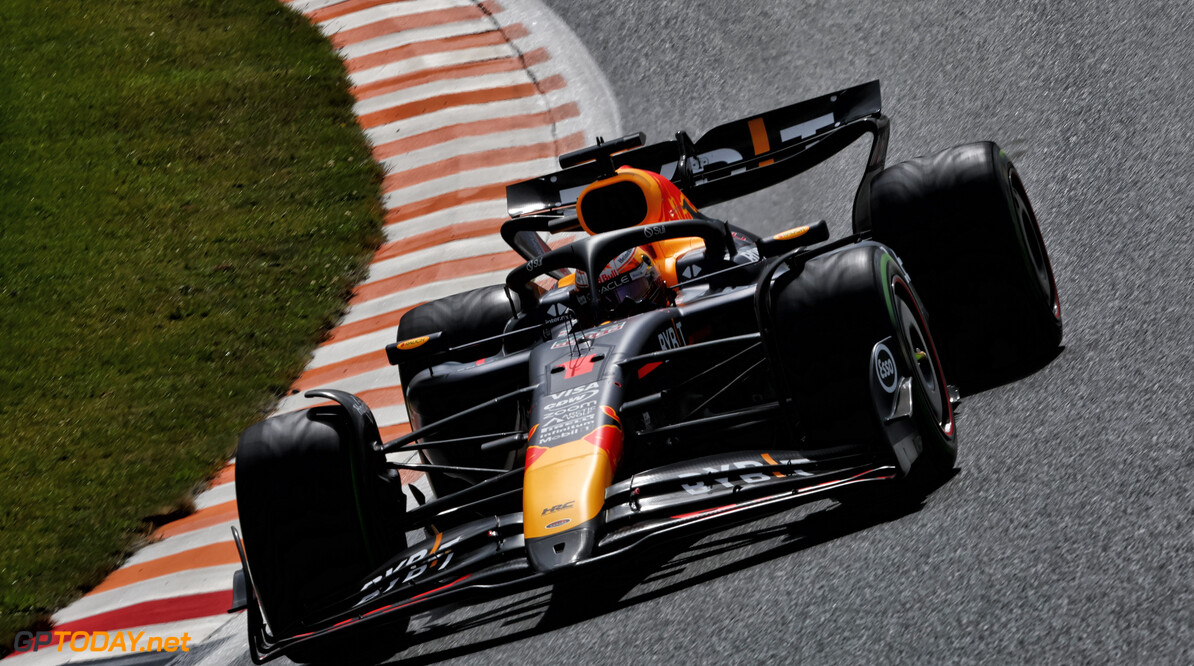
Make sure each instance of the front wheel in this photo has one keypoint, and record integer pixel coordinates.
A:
(855, 351)
(319, 512)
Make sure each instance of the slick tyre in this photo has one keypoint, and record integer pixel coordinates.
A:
(319, 511)
(834, 318)
(961, 222)
(462, 318)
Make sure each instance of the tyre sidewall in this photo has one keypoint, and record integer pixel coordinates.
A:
(313, 521)
(832, 314)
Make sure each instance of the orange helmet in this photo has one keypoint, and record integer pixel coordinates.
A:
(628, 285)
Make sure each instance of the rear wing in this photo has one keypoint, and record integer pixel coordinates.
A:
(734, 159)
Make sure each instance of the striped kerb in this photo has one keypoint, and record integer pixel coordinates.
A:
(455, 104)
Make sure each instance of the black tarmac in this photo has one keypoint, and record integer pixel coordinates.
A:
(1067, 535)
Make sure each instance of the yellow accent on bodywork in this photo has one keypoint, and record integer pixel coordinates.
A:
(791, 233)
(407, 345)
(576, 472)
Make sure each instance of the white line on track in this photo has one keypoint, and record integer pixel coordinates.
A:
(427, 61)
(183, 542)
(467, 145)
(436, 89)
(457, 249)
(475, 178)
(587, 84)
(383, 134)
(446, 217)
(225, 492)
(428, 34)
(427, 292)
(392, 415)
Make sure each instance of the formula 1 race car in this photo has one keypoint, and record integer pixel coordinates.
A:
(665, 375)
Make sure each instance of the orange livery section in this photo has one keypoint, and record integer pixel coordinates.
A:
(564, 485)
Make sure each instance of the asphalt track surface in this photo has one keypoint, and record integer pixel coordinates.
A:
(1067, 535)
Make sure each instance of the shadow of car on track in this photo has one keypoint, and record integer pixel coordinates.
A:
(662, 571)
(998, 379)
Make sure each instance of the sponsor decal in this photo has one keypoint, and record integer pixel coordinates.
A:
(624, 262)
(360, 407)
(591, 335)
(734, 477)
(558, 523)
(691, 271)
(591, 386)
(671, 337)
(569, 403)
(413, 343)
(411, 568)
(620, 262)
(668, 340)
(558, 410)
(569, 414)
(652, 231)
(608, 438)
(615, 282)
(558, 507)
(568, 424)
(534, 264)
(557, 313)
(885, 368)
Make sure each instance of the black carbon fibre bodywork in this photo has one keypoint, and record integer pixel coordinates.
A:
(691, 401)
(695, 460)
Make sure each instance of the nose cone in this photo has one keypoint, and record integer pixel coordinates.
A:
(559, 551)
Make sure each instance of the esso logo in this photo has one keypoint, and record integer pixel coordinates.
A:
(885, 368)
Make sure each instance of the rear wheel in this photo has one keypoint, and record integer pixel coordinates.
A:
(319, 512)
(855, 340)
(461, 318)
(962, 224)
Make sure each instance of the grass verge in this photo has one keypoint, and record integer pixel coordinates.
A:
(185, 201)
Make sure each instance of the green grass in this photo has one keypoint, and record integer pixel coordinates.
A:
(185, 201)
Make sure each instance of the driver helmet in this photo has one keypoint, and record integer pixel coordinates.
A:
(628, 285)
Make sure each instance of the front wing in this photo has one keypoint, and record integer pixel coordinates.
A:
(487, 557)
